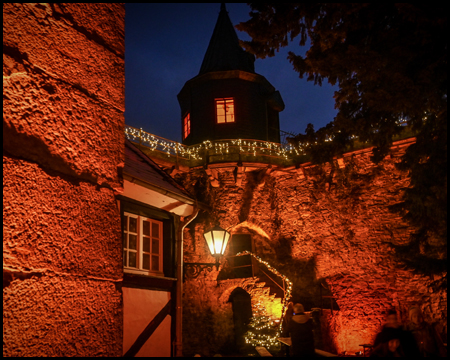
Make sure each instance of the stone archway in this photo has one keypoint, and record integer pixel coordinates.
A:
(242, 313)
(257, 228)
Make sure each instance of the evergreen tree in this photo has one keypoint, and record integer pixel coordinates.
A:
(390, 63)
(262, 331)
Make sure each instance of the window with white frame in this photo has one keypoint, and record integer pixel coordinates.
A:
(142, 244)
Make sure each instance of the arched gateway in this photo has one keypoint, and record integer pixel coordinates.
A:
(242, 313)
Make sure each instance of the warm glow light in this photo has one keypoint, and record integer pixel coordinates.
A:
(217, 240)
(257, 147)
(209, 241)
(288, 292)
(225, 110)
(186, 126)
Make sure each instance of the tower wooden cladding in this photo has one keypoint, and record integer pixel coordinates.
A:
(227, 99)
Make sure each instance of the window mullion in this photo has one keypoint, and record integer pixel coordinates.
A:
(127, 242)
(141, 245)
(160, 247)
(139, 249)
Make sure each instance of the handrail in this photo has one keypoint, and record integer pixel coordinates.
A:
(284, 291)
(287, 294)
(259, 267)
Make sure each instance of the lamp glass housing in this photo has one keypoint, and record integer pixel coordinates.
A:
(217, 240)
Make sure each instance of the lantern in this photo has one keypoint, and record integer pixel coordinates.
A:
(217, 240)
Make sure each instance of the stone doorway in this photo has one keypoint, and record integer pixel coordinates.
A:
(242, 313)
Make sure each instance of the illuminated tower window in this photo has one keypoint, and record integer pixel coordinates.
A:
(225, 110)
(186, 126)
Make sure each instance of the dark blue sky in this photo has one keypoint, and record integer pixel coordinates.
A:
(164, 48)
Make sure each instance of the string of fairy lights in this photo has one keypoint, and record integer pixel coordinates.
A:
(223, 147)
(265, 336)
(261, 322)
(218, 147)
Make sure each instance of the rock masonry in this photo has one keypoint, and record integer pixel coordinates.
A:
(63, 151)
(322, 229)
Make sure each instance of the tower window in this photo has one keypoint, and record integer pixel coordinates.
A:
(225, 110)
(186, 126)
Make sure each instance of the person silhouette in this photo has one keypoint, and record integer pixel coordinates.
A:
(300, 328)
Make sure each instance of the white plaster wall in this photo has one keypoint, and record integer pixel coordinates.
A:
(140, 306)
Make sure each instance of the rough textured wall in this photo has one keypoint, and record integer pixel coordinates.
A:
(326, 230)
(63, 104)
(208, 326)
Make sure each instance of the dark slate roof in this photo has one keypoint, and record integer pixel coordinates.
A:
(140, 166)
(224, 52)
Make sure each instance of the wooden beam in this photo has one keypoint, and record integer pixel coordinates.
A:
(148, 331)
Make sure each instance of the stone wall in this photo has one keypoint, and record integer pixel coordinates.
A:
(330, 232)
(63, 104)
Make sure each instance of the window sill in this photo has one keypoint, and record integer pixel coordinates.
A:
(149, 282)
(156, 275)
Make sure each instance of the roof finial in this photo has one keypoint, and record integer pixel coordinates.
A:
(222, 7)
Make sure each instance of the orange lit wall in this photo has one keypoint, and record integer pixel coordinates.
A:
(63, 103)
(315, 229)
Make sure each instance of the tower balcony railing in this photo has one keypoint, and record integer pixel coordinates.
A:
(214, 151)
(230, 150)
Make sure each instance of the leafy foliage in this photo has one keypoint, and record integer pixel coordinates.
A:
(390, 62)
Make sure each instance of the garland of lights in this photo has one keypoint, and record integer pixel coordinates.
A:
(222, 146)
(263, 322)
(219, 147)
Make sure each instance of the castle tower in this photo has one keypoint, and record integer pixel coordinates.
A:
(227, 99)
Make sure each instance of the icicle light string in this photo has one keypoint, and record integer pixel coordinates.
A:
(223, 146)
(287, 295)
(219, 147)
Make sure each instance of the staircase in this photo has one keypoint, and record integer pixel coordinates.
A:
(268, 291)
(272, 281)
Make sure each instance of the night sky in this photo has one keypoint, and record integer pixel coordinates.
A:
(164, 48)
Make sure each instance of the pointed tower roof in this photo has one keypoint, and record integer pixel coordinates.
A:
(224, 52)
